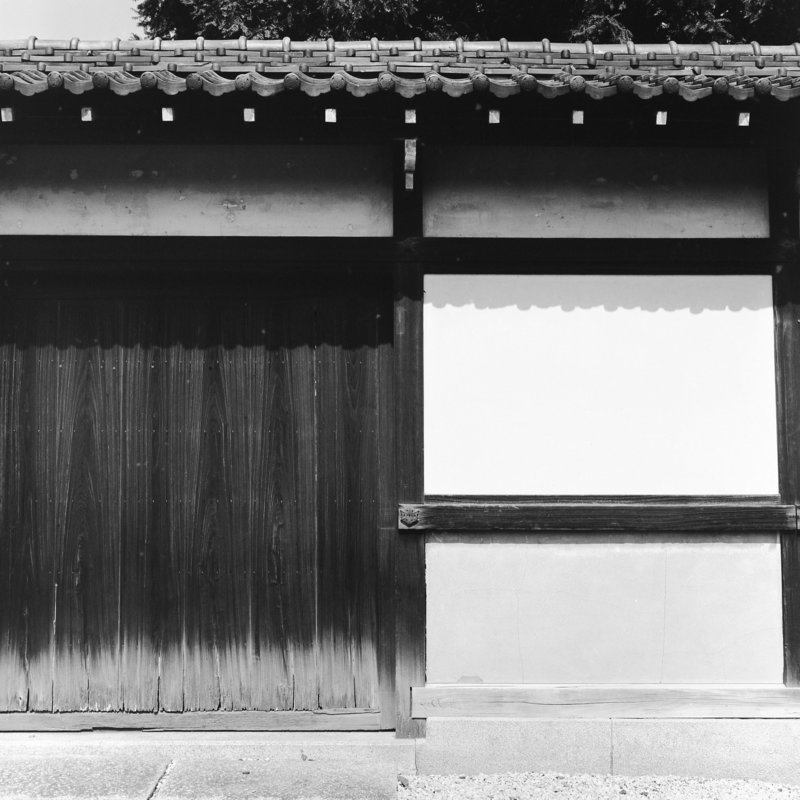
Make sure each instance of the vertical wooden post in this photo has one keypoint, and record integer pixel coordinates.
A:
(410, 548)
(785, 234)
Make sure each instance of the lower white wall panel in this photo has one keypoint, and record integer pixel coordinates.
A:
(604, 609)
(579, 384)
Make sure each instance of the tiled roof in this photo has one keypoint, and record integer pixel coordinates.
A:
(408, 68)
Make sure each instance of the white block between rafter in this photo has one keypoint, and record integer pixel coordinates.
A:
(249, 115)
(6, 114)
(411, 116)
(410, 162)
(87, 115)
(330, 115)
(494, 116)
(577, 117)
(167, 114)
(661, 117)
(744, 119)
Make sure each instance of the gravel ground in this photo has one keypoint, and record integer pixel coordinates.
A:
(553, 786)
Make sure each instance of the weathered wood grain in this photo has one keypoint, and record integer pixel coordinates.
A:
(598, 517)
(38, 509)
(274, 462)
(141, 595)
(387, 530)
(161, 462)
(410, 603)
(336, 657)
(358, 385)
(348, 506)
(290, 546)
(13, 633)
(606, 701)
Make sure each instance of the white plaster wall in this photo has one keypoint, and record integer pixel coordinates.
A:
(604, 610)
(577, 192)
(172, 190)
(599, 385)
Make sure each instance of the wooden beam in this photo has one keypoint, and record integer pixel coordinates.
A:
(579, 256)
(525, 119)
(410, 551)
(351, 719)
(604, 701)
(689, 518)
(785, 234)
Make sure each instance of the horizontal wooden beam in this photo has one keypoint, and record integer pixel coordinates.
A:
(606, 701)
(351, 719)
(598, 256)
(667, 517)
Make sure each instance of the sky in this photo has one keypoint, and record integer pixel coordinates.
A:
(63, 19)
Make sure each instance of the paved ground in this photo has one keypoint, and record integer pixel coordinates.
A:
(170, 766)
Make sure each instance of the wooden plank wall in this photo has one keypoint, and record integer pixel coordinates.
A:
(189, 502)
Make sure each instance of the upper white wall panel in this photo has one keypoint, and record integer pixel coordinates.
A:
(599, 385)
(170, 190)
(587, 192)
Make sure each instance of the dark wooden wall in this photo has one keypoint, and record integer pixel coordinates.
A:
(189, 495)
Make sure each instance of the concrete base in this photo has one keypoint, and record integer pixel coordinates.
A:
(131, 765)
(761, 749)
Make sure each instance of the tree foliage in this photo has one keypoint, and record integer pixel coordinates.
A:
(773, 21)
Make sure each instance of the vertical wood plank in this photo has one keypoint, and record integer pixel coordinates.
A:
(13, 634)
(270, 676)
(36, 327)
(358, 437)
(348, 522)
(240, 368)
(64, 440)
(287, 590)
(785, 230)
(178, 430)
(300, 545)
(104, 430)
(141, 597)
(195, 429)
(335, 621)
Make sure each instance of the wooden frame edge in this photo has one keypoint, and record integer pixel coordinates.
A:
(784, 216)
(329, 720)
(409, 565)
(740, 518)
(604, 701)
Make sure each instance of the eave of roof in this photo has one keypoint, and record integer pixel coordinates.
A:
(409, 68)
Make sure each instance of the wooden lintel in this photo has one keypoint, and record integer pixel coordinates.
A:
(95, 254)
(642, 701)
(689, 517)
